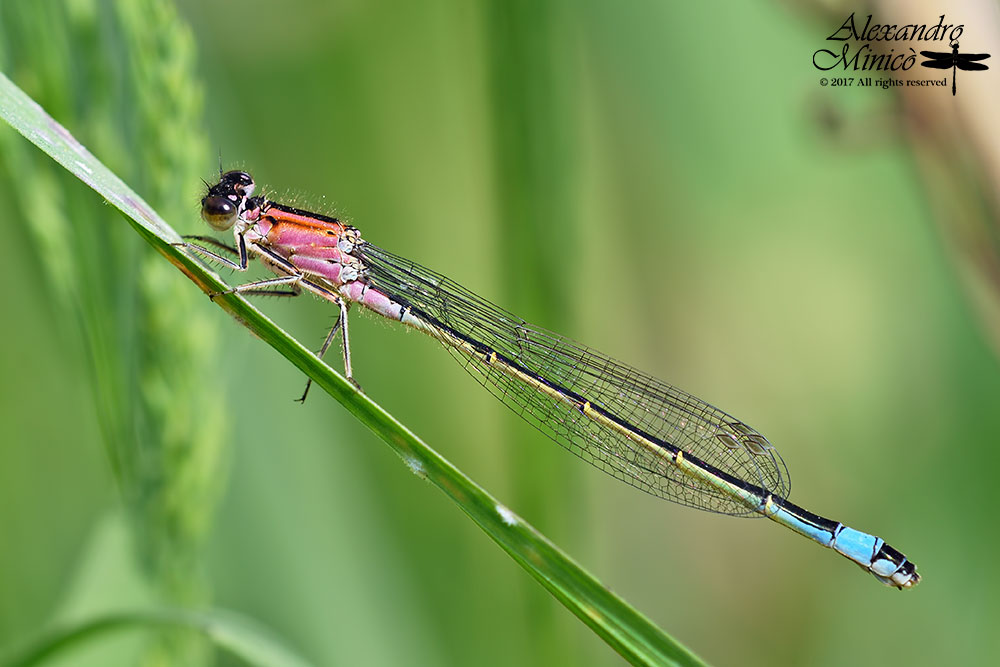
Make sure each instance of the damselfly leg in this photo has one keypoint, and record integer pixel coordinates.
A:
(340, 324)
(294, 278)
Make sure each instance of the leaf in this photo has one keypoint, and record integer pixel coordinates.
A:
(227, 630)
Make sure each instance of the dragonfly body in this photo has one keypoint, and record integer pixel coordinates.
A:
(636, 428)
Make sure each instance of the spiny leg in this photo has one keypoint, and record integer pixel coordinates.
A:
(257, 287)
(339, 325)
(260, 287)
(322, 350)
(301, 281)
(294, 278)
(210, 240)
(240, 251)
(272, 292)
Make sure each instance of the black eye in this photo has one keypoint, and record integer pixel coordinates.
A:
(219, 212)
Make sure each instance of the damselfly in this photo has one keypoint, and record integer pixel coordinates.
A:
(631, 425)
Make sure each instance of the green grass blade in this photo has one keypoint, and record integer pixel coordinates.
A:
(622, 627)
(28, 118)
(236, 634)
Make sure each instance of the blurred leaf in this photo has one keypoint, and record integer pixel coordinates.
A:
(227, 630)
(122, 73)
(537, 185)
(626, 630)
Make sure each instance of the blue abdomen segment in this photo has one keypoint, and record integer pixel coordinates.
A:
(870, 552)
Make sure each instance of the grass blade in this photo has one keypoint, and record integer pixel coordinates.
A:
(228, 631)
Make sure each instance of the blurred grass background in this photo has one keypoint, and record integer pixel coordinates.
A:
(646, 178)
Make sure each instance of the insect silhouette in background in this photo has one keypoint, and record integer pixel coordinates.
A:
(955, 61)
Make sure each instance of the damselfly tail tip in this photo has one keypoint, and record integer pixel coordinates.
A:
(907, 576)
(903, 577)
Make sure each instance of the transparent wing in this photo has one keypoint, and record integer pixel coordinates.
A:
(629, 396)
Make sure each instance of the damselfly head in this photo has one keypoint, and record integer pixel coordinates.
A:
(222, 204)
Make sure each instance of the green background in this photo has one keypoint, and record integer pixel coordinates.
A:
(646, 177)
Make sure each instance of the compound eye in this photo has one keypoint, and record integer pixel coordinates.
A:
(219, 212)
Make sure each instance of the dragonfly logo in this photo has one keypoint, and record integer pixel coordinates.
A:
(954, 61)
